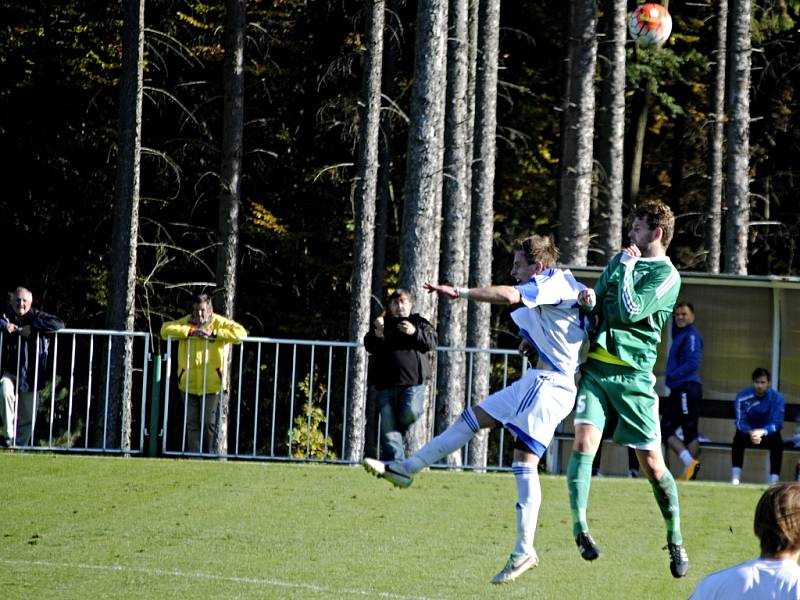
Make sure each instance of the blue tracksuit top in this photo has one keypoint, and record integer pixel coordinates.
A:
(684, 357)
(764, 413)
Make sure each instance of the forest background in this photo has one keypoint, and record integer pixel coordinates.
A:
(59, 104)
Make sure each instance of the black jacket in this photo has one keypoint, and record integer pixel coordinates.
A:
(399, 359)
(15, 346)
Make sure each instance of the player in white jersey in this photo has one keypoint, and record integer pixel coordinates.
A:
(551, 326)
(775, 574)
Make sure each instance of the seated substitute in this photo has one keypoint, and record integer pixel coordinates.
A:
(759, 420)
(775, 573)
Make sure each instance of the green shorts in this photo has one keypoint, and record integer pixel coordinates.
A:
(628, 392)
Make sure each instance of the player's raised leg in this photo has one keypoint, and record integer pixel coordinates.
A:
(456, 436)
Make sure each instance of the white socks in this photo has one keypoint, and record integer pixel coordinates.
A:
(736, 475)
(451, 439)
(529, 499)
(686, 457)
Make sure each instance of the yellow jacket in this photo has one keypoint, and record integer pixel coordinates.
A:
(200, 361)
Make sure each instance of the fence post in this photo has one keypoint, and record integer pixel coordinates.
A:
(155, 405)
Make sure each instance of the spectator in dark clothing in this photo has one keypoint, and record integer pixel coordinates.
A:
(24, 363)
(682, 408)
(759, 420)
(399, 369)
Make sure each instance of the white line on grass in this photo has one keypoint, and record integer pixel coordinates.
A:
(209, 576)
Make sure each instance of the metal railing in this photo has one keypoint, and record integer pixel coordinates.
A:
(286, 399)
(70, 391)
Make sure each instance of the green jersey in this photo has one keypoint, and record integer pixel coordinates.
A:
(635, 298)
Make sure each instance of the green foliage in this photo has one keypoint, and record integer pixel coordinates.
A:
(770, 18)
(655, 69)
(67, 439)
(65, 435)
(528, 127)
(306, 439)
(59, 68)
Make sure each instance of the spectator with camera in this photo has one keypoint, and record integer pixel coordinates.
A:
(399, 343)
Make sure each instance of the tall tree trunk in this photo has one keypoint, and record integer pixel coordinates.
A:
(640, 109)
(737, 219)
(419, 249)
(230, 194)
(365, 189)
(384, 196)
(122, 284)
(482, 214)
(576, 156)
(472, 61)
(391, 51)
(455, 208)
(611, 131)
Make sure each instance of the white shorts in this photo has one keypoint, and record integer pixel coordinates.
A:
(532, 407)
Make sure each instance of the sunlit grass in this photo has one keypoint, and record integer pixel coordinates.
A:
(111, 527)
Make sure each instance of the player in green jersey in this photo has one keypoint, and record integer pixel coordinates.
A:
(633, 299)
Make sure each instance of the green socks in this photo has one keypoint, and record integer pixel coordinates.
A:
(579, 478)
(666, 493)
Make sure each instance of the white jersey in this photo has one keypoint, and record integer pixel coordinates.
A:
(759, 579)
(550, 319)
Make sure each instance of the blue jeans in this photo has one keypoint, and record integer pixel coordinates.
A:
(399, 408)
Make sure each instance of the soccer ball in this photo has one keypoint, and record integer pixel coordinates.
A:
(650, 24)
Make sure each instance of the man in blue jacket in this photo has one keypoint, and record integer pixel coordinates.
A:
(759, 419)
(682, 408)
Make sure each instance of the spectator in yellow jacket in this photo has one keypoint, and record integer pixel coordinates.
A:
(203, 339)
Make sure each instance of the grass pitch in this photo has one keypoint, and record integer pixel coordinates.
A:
(111, 527)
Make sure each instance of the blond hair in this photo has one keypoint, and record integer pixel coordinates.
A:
(538, 247)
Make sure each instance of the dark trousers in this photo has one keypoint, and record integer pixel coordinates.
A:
(201, 421)
(772, 442)
(399, 408)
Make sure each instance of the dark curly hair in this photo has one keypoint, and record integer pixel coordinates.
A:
(657, 214)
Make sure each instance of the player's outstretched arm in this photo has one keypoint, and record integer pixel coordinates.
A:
(448, 291)
(494, 294)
